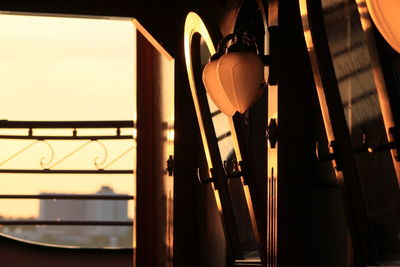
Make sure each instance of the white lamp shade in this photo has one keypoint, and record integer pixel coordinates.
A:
(386, 16)
(240, 75)
(215, 90)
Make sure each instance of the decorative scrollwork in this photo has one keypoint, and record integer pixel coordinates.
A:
(70, 154)
(105, 156)
(43, 160)
(49, 160)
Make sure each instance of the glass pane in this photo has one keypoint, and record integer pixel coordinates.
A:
(225, 144)
(67, 69)
(352, 65)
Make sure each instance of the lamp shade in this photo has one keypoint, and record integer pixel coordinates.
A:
(386, 16)
(215, 90)
(241, 74)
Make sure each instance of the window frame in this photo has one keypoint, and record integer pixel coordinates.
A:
(154, 175)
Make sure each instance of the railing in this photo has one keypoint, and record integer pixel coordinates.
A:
(65, 222)
(48, 165)
(68, 197)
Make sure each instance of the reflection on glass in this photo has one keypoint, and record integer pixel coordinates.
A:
(352, 65)
(225, 144)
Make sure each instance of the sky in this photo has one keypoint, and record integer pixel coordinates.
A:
(54, 68)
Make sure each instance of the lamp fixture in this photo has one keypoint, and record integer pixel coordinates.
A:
(213, 85)
(234, 76)
(387, 20)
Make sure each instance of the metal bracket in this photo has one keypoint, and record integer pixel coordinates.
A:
(332, 156)
(329, 156)
(206, 180)
(232, 169)
(392, 145)
(364, 145)
(265, 59)
(272, 133)
(170, 165)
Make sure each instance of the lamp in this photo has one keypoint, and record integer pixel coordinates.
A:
(214, 88)
(233, 77)
(385, 14)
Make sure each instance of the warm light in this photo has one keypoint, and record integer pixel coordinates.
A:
(193, 25)
(217, 93)
(241, 75)
(171, 135)
(134, 134)
(234, 81)
(385, 14)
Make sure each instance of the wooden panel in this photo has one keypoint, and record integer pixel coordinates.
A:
(155, 143)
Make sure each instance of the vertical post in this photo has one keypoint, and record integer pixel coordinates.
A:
(155, 141)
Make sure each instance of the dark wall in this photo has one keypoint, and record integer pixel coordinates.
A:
(296, 100)
(311, 224)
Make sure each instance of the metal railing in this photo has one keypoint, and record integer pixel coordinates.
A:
(48, 166)
(75, 126)
(68, 197)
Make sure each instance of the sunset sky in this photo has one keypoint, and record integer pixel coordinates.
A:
(54, 68)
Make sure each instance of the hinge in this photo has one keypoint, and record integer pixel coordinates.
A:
(205, 180)
(392, 145)
(330, 156)
(170, 165)
(272, 133)
(232, 169)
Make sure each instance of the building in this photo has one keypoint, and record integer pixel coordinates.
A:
(84, 210)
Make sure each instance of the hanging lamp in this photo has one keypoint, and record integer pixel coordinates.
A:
(234, 76)
(385, 14)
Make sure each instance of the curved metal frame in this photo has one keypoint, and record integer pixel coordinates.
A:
(194, 28)
(387, 113)
(363, 242)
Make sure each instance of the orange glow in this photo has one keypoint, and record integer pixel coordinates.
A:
(379, 79)
(59, 68)
(318, 83)
(241, 75)
(154, 43)
(171, 135)
(385, 15)
(215, 90)
(134, 133)
(167, 66)
(193, 25)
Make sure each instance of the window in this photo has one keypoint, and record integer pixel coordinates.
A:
(78, 76)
